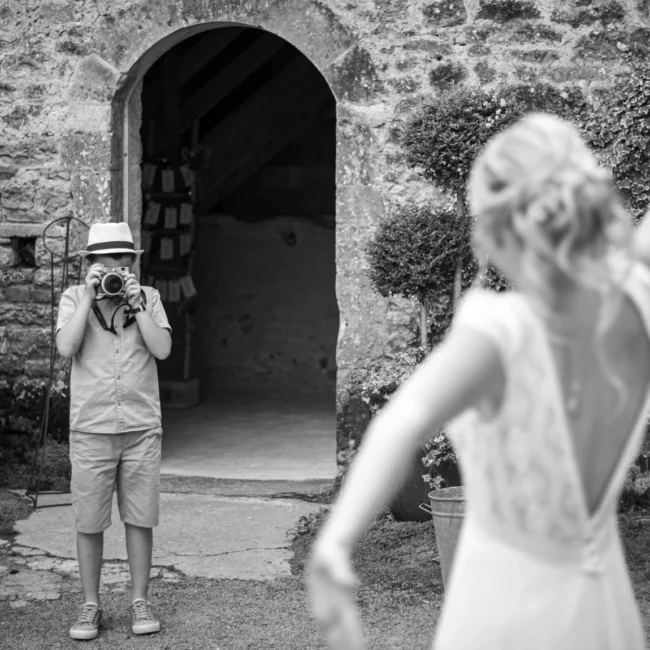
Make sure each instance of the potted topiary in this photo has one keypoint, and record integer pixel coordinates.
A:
(415, 254)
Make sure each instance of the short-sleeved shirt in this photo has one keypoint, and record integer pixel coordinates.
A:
(114, 379)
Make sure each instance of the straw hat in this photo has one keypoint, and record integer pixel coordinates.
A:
(106, 238)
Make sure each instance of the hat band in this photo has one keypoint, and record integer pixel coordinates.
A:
(111, 244)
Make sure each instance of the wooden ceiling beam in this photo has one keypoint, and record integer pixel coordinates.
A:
(228, 78)
(260, 112)
(240, 162)
(199, 55)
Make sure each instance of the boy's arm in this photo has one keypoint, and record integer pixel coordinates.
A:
(71, 329)
(71, 335)
(157, 339)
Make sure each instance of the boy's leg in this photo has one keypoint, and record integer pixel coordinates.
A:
(94, 460)
(138, 494)
(90, 550)
(139, 547)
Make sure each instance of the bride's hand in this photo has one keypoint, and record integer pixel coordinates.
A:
(332, 584)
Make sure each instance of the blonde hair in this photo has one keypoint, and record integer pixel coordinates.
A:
(539, 181)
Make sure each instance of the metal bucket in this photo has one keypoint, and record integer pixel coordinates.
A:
(448, 511)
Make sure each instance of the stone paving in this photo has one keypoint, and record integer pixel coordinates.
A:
(28, 574)
(205, 534)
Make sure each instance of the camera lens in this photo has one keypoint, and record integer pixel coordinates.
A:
(112, 284)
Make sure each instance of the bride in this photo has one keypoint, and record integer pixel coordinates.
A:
(544, 391)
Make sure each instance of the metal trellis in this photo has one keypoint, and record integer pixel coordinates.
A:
(33, 487)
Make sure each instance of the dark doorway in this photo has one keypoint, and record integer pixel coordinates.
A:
(238, 125)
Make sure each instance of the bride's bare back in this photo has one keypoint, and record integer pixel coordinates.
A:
(607, 416)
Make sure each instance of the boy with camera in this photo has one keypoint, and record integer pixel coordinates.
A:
(114, 330)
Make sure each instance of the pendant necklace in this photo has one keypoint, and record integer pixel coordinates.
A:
(573, 397)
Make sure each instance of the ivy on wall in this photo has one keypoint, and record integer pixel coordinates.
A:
(618, 129)
(23, 402)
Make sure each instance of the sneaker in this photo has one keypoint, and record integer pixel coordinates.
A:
(87, 625)
(142, 619)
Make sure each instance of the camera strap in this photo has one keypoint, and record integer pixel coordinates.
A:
(130, 317)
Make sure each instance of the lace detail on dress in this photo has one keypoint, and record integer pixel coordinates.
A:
(515, 465)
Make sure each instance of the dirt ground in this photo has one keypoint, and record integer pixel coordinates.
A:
(400, 598)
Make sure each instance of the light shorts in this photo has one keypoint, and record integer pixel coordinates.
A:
(126, 462)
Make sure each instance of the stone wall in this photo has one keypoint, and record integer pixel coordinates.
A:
(268, 312)
(67, 67)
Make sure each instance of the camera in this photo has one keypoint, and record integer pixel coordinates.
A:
(112, 282)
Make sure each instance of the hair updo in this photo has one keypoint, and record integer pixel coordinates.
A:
(539, 180)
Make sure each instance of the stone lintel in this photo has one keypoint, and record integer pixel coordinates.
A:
(21, 229)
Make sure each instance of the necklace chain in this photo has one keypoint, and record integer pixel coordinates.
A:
(573, 398)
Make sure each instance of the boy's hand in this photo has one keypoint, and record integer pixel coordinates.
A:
(133, 291)
(93, 278)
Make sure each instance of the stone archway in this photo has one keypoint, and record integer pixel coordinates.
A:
(104, 151)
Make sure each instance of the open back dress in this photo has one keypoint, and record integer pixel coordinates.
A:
(535, 567)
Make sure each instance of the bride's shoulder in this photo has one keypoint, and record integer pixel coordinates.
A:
(495, 314)
(487, 302)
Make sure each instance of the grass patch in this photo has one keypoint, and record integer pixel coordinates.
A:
(394, 557)
(635, 534)
(12, 508)
(16, 460)
(634, 526)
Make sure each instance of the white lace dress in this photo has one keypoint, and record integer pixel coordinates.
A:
(534, 570)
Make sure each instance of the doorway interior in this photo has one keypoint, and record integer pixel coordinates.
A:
(238, 138)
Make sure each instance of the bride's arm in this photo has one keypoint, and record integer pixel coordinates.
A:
(464, 369)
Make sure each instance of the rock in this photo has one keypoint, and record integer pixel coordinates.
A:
(485, 73)
(503, 11)
(535, 56)
(599, 45)
(445, 13)
(17, 604)
(576, 14)
(355, 77)
(30, 585)
(447, 75)
(44, 563)
(25, 551)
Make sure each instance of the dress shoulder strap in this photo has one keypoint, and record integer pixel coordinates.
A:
(497, 316)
